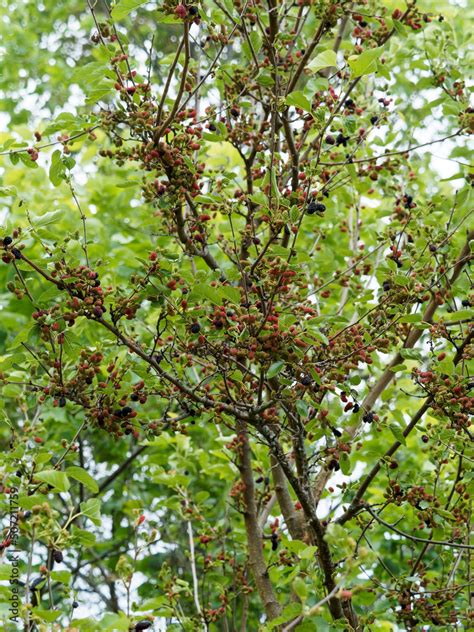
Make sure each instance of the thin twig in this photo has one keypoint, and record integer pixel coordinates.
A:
(409, 536)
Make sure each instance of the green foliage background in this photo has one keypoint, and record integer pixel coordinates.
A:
(52, 78)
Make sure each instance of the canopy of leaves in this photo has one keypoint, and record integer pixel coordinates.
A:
(236, 314)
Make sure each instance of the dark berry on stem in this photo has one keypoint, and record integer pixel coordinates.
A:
(274, 539)
(58, 556)
(342, 140)
(315, 207)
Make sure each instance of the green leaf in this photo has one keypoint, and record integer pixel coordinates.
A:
(64, 122)
(275, 368)
(5, 572)
(23, 335)
(461, 314)
(296, 546)
(57, 170)
(83, 537)
(290, 611)
(51, 217)
(397, 433)
(300, 588)
(298, 100)
(201, 291)
(308, 552)
(411, 318)
(400, 279)
(79, 474)
(345, 463)
(61, 576)
(447, 515)
(320, 336)
(366, 62)
(59, 480)
(397, 368)
(231, 293)
(411, 354)
(256, 44)
(47, 615)
(256, 40)
(91, 509)
(446, 366)
(90, 77)
(124, 7)
(326, 59)
(265, 79)
(302, 408)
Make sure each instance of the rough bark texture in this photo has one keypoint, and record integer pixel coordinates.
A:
(257, 563)
(294, 519)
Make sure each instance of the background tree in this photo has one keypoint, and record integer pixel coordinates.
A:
(236, 320)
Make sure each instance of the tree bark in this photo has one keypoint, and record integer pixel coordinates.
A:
(257, 563)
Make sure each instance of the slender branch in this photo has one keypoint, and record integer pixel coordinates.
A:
(83, 220)
(51, 144)
(392, 153)
(355, 503)
(313, 610)
(184, 77)
(192, 560)
(409, 536)
(388, 375)
(121, 468)
(323, 26)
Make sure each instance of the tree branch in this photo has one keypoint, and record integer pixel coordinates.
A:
(256, 562)
(388, 375)
(356, 501)
(409, 536)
